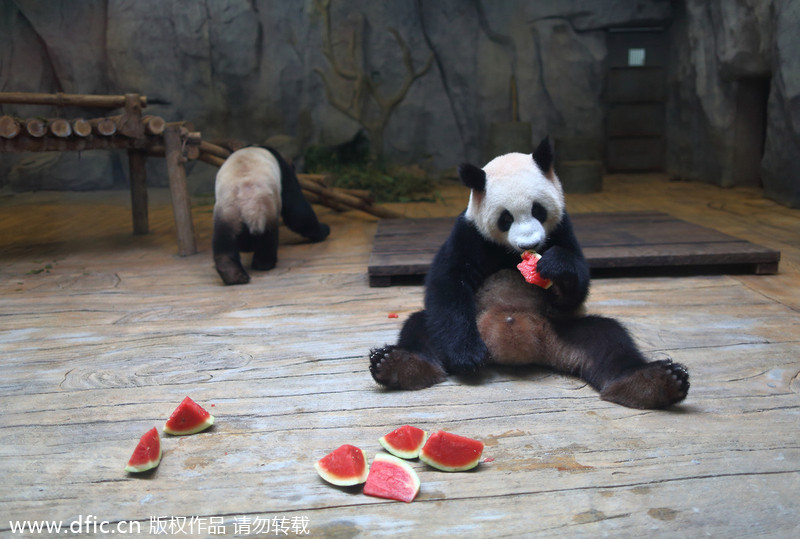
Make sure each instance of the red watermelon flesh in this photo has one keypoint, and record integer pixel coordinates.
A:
(450, 452)
(147, 454)
(404, 442)
(391, 478)
(188, 418)
(530, 259)
(344, 466)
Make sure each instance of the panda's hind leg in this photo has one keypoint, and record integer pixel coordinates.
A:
(658, 384)
(410, 364)
(265, 248)
(225, 245)
(603, 353)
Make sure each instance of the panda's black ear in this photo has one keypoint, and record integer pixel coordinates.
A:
(472, 176)
(544, 154)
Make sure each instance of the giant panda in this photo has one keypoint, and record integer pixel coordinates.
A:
(479, 309)
(254, 188)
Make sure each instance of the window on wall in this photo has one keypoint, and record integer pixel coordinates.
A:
(636, 57)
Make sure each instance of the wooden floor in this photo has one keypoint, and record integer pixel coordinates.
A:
(102, 334)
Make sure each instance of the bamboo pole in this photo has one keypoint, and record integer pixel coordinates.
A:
(68, 100)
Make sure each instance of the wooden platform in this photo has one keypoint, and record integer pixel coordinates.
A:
(103, 333)
(610, 240)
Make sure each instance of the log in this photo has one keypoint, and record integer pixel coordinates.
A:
(347, 200)
(130, 124)
(9, 127)
(323, 201)
(81, 127)
(71, 100)
(229, 144)
(192, 138)
(35, 127)
(103, 126)
(215, 150)
(59, 127)
(181, 203)
(154, 125)
(213, 160)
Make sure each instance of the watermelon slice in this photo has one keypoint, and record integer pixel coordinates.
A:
(404, 442)
(391, 478)
(527, 267)
(188, 418)
(344, 466)
(147, 454)
(450, 452)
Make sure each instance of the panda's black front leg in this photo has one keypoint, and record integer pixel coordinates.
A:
(570, 275)
(453, 331)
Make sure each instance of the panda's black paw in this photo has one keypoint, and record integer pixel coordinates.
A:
(396, 368)
(321, 233)
(230, 270)
(655, 385)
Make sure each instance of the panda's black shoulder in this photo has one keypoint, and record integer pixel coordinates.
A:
(468, 255)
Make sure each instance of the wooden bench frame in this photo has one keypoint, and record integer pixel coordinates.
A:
(140, 136)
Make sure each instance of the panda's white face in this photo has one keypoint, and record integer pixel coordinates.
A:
(520, 205)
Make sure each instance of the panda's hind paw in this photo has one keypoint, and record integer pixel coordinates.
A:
(396, 368)
(658, 384)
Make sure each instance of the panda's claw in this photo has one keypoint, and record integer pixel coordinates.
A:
(396, 368)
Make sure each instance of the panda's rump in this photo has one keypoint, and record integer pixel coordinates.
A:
(248, 190)
(259, 206)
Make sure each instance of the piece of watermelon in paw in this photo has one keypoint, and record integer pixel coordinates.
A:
(528, 269)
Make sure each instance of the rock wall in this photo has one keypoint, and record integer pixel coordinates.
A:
(251, 69)
(731, 60)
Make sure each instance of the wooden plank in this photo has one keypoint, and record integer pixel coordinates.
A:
(610, 240)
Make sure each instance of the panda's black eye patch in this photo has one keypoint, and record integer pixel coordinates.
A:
(505, 220)
(539, 212)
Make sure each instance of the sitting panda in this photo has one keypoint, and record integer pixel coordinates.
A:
(479, 309)
(255, 186)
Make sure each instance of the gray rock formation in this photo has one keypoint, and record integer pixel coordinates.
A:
(246, 69)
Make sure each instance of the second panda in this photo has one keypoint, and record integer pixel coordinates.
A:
(479, 309)
(254, 188)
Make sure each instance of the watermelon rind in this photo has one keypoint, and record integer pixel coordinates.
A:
(392, 478)
(144, 450)
(464, 453)
(344, 467)
(404, 442)
(188, 418)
